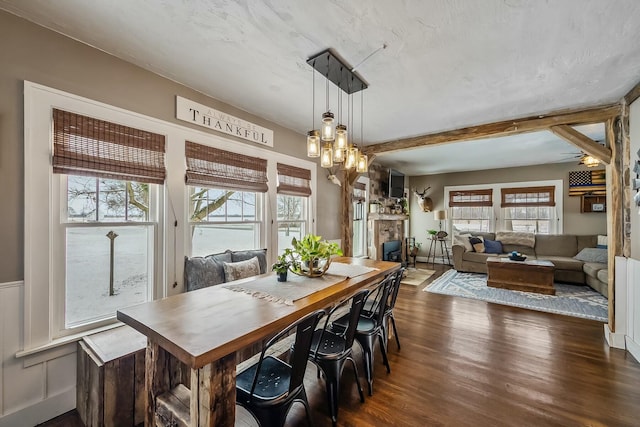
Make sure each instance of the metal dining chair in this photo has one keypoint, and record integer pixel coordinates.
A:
(331, 349)
(271, 386)
(370, 326)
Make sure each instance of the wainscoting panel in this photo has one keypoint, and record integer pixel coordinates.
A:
(30, 393)
(633, 307)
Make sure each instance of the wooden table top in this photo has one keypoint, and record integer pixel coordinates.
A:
(205, 325)
(533, 262)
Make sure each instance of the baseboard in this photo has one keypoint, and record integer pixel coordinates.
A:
(633, 348)
(41, 411)
(614, 340)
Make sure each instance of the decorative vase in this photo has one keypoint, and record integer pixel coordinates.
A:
(282, 277)
(313, 268)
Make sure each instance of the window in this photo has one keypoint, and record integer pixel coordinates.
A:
(108, 176)
(109, 246)
(225, 199)
(529, 209)
(471, 210)
(223, 219)
(294, 189)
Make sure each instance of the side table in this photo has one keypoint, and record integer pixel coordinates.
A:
(433, 249)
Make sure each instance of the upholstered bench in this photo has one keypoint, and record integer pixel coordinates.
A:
(202, 272)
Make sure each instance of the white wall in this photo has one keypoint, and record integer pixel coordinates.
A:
(633, 265)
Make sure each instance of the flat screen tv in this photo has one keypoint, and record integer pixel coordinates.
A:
(396, 184)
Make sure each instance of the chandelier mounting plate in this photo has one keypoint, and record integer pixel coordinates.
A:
(335, 69)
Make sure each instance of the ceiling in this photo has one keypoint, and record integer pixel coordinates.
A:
(447, 64)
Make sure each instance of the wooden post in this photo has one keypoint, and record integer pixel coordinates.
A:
(112, 236)
(346, 229)
(156, 378)
(216, 390)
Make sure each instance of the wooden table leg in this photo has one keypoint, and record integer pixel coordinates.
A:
(213, 393)
(156, 379)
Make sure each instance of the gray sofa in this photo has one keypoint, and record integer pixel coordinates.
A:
(201, 272)
(560, 249)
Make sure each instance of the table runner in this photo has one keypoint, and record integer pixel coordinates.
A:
(297, 287)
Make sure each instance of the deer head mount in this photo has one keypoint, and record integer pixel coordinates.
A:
(424, 202)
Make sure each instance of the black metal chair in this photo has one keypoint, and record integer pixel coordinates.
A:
(331, 349)
(370, 326)
(388, 311)
(270, 387)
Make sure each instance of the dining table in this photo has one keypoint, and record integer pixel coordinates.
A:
(203, 330)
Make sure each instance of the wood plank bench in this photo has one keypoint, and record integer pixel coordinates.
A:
(110, 378)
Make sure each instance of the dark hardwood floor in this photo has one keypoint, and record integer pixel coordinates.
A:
(470, 363)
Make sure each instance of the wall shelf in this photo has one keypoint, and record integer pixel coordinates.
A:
(591, 203)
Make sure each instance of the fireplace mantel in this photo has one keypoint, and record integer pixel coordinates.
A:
(388, 217)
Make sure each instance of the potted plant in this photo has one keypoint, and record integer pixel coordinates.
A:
(311, 256)
(433, 234)
(282, 264)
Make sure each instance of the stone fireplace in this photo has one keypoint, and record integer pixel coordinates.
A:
(382, 228)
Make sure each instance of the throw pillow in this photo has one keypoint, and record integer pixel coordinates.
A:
(477, 243)
(492, 246)
(592, 255)
(463, 240)
(241, 269)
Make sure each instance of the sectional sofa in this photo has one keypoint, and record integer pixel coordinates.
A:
(576, 258)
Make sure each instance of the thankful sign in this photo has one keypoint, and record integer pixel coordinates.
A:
(201, 115)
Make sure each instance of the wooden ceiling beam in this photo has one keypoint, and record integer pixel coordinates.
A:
(633, 94)
(583, 142)
(504, 128)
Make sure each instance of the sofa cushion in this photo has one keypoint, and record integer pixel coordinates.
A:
(593, 255)
(261, 254)
(506, 248)
(603, 275)
(592, 268)
(516, 238)
(492, 246)
(476, 256)
(556, 245)
(563, 263)
(241, 269)
(463, 240)
(201, 272)
(587, 241)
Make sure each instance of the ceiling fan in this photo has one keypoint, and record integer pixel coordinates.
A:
(585, 159)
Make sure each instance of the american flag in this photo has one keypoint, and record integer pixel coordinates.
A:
(587, 182)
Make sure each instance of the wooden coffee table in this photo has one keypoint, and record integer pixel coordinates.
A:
(527, 276)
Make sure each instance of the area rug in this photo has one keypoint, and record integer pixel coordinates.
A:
(570, 300)
(415, 276)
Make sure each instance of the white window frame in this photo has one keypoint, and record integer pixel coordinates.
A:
(40, 310)
(498, 221)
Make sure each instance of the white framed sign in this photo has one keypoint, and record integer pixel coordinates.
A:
(204, 116)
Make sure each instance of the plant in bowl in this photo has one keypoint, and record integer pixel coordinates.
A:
(282, 264)
(433, 234)
(311, 256)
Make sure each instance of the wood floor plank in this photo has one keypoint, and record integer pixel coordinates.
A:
(471, 363)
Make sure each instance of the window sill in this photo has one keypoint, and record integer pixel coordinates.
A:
(45, 352)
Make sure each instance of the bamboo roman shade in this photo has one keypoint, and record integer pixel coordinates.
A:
(86, 146)
(528, 196)
(471, 198)
(212, 167)
(294, 181)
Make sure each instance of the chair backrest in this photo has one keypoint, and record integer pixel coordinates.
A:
(395, 289)
(357, 302)
(298, 358)
(381, 296)
(302, 346)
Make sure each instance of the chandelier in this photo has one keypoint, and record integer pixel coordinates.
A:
(334, 142)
